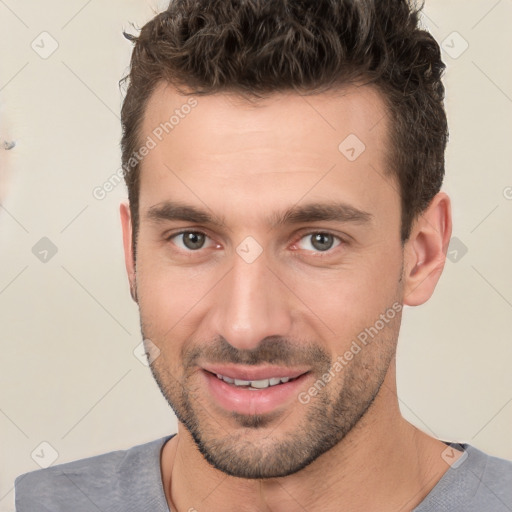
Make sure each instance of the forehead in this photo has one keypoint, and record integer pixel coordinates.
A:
(287, 114)
(284, 144)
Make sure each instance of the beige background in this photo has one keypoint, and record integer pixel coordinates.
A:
(68, 374)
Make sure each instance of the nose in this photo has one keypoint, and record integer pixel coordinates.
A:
(251, 303)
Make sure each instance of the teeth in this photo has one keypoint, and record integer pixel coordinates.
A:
(226, 379)
(256, 384)
(260, 384)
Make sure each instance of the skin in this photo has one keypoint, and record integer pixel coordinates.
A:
(245, 163)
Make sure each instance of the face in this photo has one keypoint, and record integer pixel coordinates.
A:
(268, 270)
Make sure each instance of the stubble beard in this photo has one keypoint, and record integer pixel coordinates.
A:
(254, 447)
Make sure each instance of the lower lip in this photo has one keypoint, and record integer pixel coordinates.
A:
(251, 401)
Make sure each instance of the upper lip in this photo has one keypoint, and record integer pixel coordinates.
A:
(254, 373)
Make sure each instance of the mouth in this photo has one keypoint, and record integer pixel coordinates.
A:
(252, 391)
(256, 384)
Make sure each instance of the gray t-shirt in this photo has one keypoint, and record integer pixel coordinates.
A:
(130, 481)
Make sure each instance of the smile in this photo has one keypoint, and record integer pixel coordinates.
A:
(255, 384)
(247, 390)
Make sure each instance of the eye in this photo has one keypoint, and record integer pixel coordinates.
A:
(319, 241)
(189, 240)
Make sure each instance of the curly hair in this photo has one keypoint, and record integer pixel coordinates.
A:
(259, 47)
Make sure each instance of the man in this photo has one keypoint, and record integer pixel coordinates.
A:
(284, 162)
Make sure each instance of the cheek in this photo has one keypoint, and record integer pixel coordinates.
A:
(170, 296)
(347, 300)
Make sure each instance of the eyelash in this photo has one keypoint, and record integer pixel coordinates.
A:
(304, 235)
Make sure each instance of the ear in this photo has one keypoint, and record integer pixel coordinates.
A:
(126, 223)
(425, 250)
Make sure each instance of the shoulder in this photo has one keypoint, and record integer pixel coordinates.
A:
(477, 482)
(101, 482)
(496, 477)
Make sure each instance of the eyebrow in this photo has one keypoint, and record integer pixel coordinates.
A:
(312, 212)
(172, 210)
(315, 212)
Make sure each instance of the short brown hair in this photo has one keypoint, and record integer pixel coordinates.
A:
(259, 47)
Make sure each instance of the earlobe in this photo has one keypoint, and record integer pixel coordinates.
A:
(425, 250)
(126, 224)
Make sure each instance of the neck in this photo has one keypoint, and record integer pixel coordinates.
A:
(384, 464)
